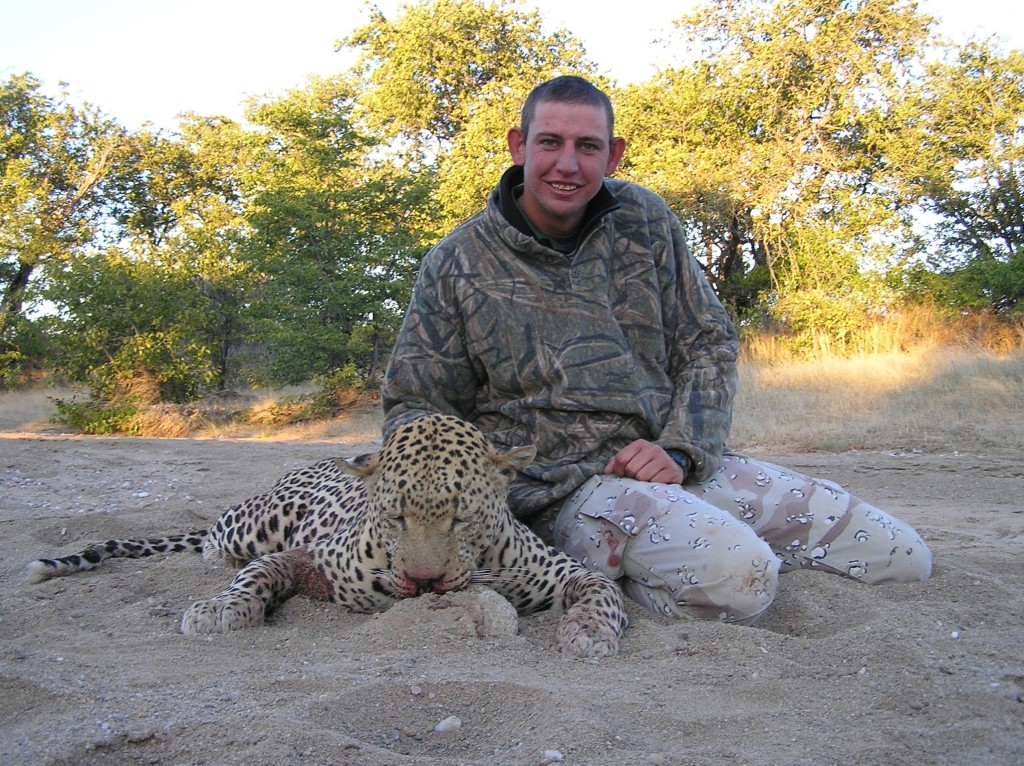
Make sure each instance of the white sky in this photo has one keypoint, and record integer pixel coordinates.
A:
(150, 60)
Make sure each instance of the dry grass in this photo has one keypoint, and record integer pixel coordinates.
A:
(248, 415)
(905, 331)
(932, 400)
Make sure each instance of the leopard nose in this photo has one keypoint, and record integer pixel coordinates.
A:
(427, 584)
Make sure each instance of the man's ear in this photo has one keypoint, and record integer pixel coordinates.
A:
(517, 146)
(617, 148)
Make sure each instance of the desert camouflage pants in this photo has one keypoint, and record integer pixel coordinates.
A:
(715, 549)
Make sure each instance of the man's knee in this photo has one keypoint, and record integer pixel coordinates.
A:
(875, 548)
(735, 584)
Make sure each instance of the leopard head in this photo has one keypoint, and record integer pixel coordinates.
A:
(437, 497)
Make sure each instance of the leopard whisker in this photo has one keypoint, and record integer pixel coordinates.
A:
(484, 576)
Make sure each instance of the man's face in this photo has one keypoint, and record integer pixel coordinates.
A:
(565, 159)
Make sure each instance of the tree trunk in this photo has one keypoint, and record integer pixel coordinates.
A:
(14, 292)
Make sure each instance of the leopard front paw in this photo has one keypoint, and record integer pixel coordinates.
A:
(222, 615)
(583, 633)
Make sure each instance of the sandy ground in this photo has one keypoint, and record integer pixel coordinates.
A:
(93, 669)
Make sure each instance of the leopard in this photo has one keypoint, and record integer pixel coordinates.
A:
(427, 513)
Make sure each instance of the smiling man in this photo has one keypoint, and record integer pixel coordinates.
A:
(565, 150)
(568, 314)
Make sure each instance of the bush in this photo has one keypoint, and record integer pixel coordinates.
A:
(338, 391)
(97, 419)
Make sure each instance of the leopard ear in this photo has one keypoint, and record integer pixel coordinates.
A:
(361, 466)
(515, 459)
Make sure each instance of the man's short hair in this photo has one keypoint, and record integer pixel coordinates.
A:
(567, 89)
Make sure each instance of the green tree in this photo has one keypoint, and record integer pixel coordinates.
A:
(690, 149)
(770, 141)
(130, 329)
(55, 159)
(335, 234)
(199, 180)
(426, 71)
(962, 160)
(157, 316)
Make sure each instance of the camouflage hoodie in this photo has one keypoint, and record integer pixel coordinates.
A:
(578, 354)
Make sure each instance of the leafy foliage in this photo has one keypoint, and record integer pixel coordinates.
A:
(336, 236)
(54, 163)
(769, 143)
(96, 418)
(963, 159)
(132, 330)
(425, 72)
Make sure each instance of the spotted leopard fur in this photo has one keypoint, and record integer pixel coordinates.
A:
(426, 514)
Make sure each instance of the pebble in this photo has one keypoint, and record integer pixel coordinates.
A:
(553, 756)
(451, 723)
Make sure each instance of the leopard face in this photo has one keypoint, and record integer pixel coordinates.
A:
(436, 493)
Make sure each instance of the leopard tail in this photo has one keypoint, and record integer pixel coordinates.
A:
(90, 558)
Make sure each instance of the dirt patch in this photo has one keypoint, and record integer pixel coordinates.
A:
(93, 669)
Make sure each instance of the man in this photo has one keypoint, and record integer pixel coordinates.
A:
(569, 314)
